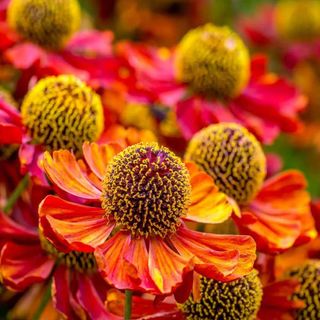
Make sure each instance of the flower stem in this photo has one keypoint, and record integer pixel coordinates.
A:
(128, 304)
(16, 194)
(43, 303)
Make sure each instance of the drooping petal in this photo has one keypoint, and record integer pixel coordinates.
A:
(81, 227)
(124, 262)
(276, 217)
(23, 265)
(223, 257)
(208, 205)
(64, 170)
(98, 156)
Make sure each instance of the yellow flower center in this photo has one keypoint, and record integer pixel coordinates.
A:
(239, 299)
(62, 112)
(147, 189)
(232, 157)
(298, 19)
(80, 261)
(309, 292)
(214, 61)
(49, 23)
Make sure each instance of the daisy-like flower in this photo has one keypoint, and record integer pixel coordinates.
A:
(275, 211)
(209, 78)
(128, 207)
(27, 258)
(58, 112)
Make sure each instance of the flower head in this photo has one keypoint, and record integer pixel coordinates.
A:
(298, 20)
(147, 189)
(238, 299)
(47, 23)
(214, 61)
(232, 157)
(62, 112)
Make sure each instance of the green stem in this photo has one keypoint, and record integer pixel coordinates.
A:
(16, 194)
(128, 303)
(43, 303)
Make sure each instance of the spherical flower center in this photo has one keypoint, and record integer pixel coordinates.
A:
(298, 20)
(239, 299)
(80, 261)
(213, 61)
(47, 23)
(232, 157)
(147, 189)
(309, 292)
(62, 112)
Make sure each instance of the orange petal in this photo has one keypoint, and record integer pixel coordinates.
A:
(64, 170)
(223, 257)
(122, 266)
(79, 226)
(98, 156)
(208, 205)
(280, 213)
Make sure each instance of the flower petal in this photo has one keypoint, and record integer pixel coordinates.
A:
(23, 265)
(223, 257)
(79, 226)
(64, 170)
(208, 205)
(98, 156)
(280, 213)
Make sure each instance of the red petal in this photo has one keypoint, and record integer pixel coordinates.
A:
(81, 227)
(23, 265)
(64, 170)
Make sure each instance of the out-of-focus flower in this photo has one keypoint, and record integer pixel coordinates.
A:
(263, 102)
(128, 207)
(275, 212)
(58, 112)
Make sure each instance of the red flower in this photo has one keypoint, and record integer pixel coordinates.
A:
(155, 253)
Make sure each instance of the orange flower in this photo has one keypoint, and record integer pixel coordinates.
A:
(128, 206)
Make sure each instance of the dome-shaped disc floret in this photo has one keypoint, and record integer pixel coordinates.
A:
(49, 23)
(239, 299)
(232, 156)
(147, 189)
(62, 112)
(309, 292)
(298, 20)
(213, 61)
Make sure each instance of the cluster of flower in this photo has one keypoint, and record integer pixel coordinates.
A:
(134, 182)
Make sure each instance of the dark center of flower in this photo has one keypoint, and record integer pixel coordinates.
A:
(214, 61)
(239, 299)
(309, 292)
(80, 261)
(47, 23)
(147, 189)
(232, 157)
(298, 20)
(62, 112)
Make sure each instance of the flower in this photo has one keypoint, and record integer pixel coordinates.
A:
(262, 101)
(49, 24)
(28, 257)
(128, 206)
(275, 212)
(58, 112)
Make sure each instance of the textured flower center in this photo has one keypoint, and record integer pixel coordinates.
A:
(147, 189)
(47, 23)
(61, 113)
(80, 261)
(232, 157)
(214, 61)
(298, 19)
(239, 299)
(309, 292)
